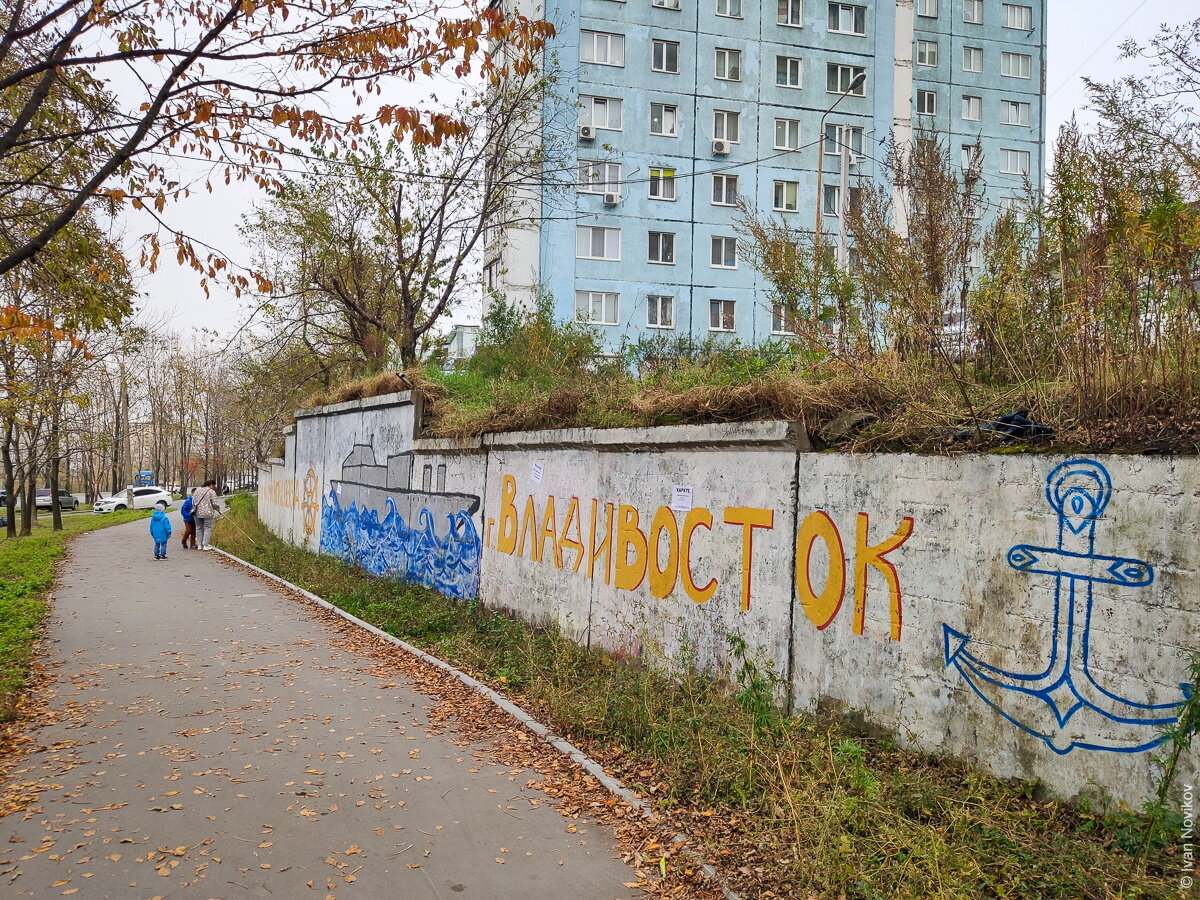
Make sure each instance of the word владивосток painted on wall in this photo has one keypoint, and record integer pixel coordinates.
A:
(629, 550)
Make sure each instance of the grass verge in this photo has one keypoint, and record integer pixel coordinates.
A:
(790, 807)
(26, 574)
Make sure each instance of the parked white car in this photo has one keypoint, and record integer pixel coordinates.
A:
(143, 498)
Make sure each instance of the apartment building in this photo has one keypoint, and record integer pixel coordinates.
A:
(685, 106)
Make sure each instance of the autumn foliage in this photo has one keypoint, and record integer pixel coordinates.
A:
(99, 96)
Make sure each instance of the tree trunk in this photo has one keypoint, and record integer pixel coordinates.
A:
(29, 505)
(55, 464)
(10, 481)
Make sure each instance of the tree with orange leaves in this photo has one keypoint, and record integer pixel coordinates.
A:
(226, 81)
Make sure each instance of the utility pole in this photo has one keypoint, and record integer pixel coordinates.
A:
(843, 252)
(854, 84)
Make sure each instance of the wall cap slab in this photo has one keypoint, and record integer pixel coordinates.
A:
(403, 398)
(448, 445)
(781, 434)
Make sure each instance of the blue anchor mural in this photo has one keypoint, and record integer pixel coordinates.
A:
(1065, 704)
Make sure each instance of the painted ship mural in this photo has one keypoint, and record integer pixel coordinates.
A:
(374, 518)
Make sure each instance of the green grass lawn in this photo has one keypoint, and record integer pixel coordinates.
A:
(817, 808)
(26, 574)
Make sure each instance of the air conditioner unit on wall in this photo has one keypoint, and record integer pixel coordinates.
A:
(587, 132)
(612, 199)
(720, 148)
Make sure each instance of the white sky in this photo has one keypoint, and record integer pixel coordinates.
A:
(1083, 40)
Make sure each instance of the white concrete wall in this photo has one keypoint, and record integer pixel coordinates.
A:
(942, 598)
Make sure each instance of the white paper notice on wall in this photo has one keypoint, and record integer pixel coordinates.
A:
(539, 469)
(681, 497)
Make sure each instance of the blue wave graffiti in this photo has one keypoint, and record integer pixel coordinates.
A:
(448, 564)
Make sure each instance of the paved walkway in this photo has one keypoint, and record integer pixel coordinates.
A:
(224, 746)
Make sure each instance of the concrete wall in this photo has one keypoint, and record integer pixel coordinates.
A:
(1031, 613)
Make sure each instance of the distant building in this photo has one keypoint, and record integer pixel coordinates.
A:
(460, 344)
(687, 105)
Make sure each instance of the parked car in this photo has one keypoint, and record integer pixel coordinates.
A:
(143, 498)
(65, 500)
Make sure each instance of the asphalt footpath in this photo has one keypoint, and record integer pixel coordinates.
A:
(210, 739)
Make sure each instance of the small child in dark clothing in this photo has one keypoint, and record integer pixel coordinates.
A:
(160, 530)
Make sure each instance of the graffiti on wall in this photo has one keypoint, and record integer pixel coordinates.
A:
(1065, 704)
(628, 552)
(283, 492)
(405, 542)
(310, 506)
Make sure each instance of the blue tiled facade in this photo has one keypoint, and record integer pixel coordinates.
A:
(698, 93)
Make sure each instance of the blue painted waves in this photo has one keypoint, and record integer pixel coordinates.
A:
(447, 563)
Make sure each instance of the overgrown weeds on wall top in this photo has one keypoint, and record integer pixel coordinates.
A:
(531, 373)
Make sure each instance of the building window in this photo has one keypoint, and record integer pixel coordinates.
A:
(847, 19)
(782, 322)
(660, 311)
(724, 253)
(602, 48)
(1016, 65)
(831, 197)
(790, 12)
(786, 196)
(666, 4)
(596, 307)
(427, 478)
(1013, 206)
(789, 71)
(731, 9)
(1014, 162)
(491, 274)
(725, 126)
(600, 112)
(972, 108)
(927, 53)
(662, 248)
(665, 57)
(972, 157)
(1013, 112)
(973, 12)
(927, 8)
(972, 59)
(724, 190)
(720, 315)
(838, 79)
(1018, 17)
(662, 184)
(599, 177)
(836, 134)
(664, 119)
(787, 134)
(926, 103)
(592, 242)
(729, 65)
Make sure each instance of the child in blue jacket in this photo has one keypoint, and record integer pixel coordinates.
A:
(189, 523)
(160, 530)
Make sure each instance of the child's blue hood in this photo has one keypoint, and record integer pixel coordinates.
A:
(159, 514)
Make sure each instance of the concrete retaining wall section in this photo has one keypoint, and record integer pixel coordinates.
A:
(1034, 614)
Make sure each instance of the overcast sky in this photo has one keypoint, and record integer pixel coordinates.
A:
(1084, 37)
